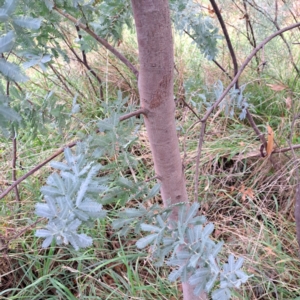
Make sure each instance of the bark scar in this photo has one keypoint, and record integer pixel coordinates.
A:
(160, 94)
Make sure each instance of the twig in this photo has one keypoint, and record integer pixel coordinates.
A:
(7, 240)
(189, 107)
(85, 63)
(36, 168)
(14, 171)
(252, 40)
(294, 17)
(255, 128)
(63, 81)
(281, 35)
(134, 113)
(200, 144)
(286, 149)
(223, 70)
(102, 41)
(14, 154)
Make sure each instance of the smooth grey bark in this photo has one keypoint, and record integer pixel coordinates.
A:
(155, 83)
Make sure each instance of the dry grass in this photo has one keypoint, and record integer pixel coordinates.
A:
(248, 198)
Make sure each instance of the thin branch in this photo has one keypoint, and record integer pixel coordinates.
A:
(252, 40)
(286, 149)
(294, 17)
(14, 155)
(102, 41)
(255, 128)
(14, 170)
(134, 113)
(85, 63)
(223, 70)
(63, 81)
(7, 240)
(200, 144)
(263, 12)
(188, 106)
(227, 38)
(36, 168)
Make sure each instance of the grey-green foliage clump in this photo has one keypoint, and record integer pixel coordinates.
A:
(192, 253)
(236, 100)
(15, 34)
(72, 197)
(189, 18)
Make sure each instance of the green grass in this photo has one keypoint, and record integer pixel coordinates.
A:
(250, 201)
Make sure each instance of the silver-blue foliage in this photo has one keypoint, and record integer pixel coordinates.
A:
(192, 253)
(72, 197)
(188, 17)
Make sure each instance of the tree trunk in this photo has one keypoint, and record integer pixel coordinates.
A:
(153, 25)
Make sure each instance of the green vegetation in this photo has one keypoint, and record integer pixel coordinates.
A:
(249, 198)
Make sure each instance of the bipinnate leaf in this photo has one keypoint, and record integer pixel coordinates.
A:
(81, 214)
(49, 4)
(7, 42)
(59, 183)
(90, 206)
(145, 241)
(44, 233)
(148, 227)
(59, 166)
(108, 123)
(43, 210)
(85, 184)
(194, 260)
(119, 223)
(9, 114)
(213, 265)
(211, 282)
(69, 156)
(221, 294)
(242, 276)
(75, 105)
(199, 276)
(73, 226)
(28, 22)
(133, 212)
(3, 16)
(12, 71)
(154, 191)
(192, 212)
(51, 204)
(217, 249)
(47, 242)
(208, 229)
(50, 191)
(81, 241)
(9, 6)
(175, 274)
